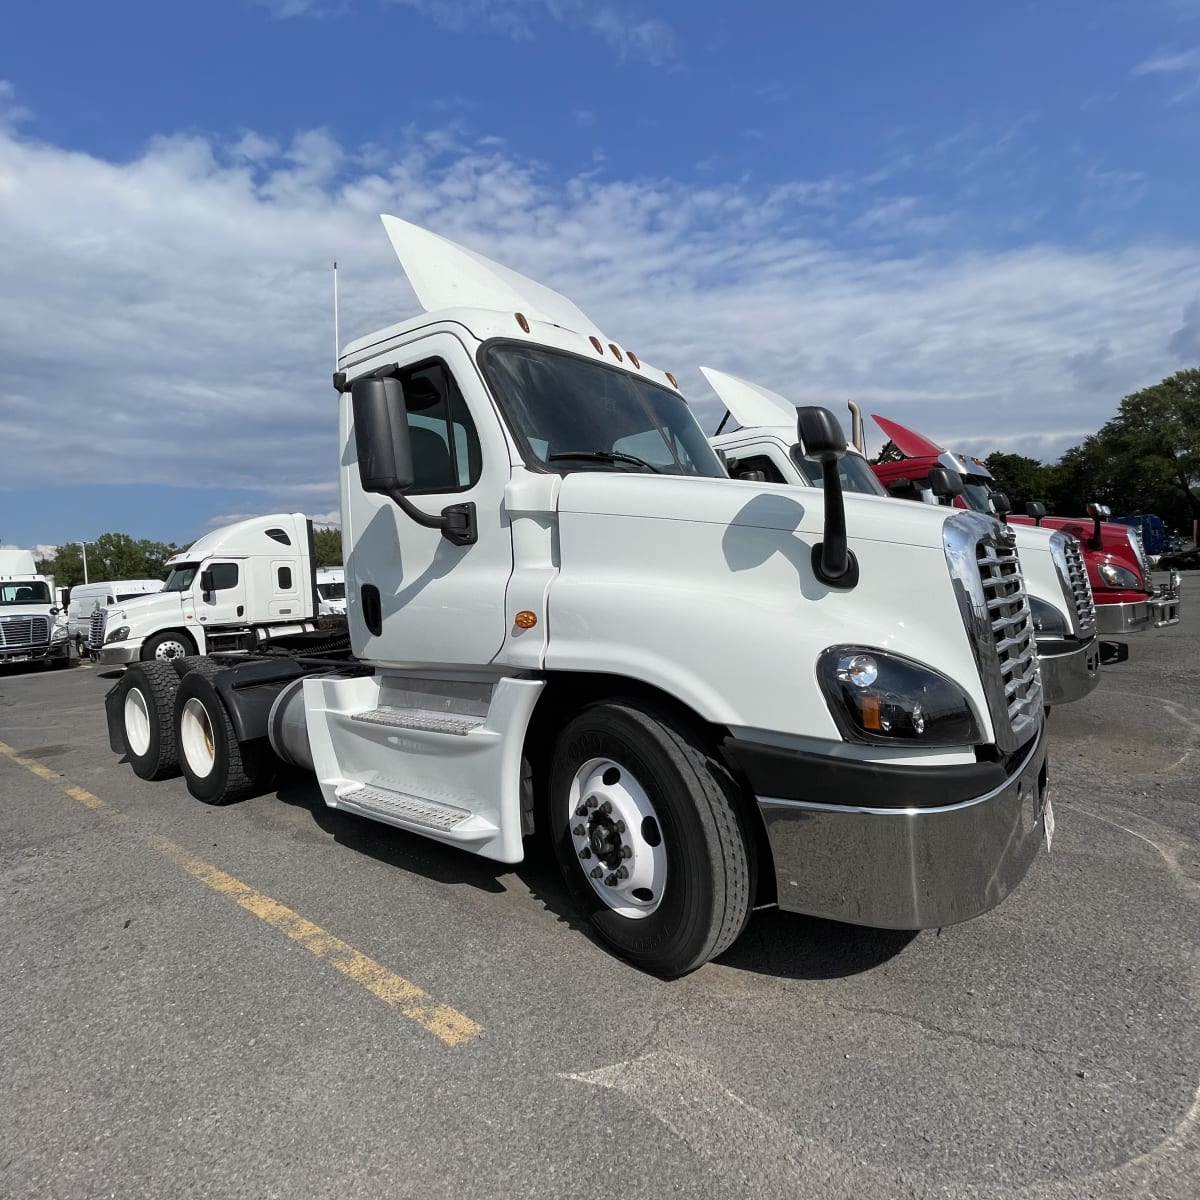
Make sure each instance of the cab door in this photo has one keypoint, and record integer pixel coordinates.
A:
(413, 597)
(224, 601)
(285, 589)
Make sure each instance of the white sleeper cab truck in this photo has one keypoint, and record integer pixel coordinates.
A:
(563, 614)
(33, 627)
(1060, 597)
(331, 590)
(236, 589)
(87, 599)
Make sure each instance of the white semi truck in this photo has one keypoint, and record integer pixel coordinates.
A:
(240, 588)
(1060, 597)
(563, 615)
(33, 626)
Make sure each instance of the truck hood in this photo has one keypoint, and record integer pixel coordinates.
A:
(151, 607)
(27, 610)
(910, 443)
(735, 502)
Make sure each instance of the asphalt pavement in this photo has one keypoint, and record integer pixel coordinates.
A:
(277, 999)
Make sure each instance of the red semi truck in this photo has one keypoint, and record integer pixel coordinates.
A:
(1118, 570)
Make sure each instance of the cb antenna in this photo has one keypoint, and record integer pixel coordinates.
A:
(337, 344)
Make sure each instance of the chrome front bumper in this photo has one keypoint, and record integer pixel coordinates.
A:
(914, 867)
(1071, 674)
(1162, 608)
(119, 654)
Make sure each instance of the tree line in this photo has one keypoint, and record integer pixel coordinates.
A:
(120, 556)
(1145, 460)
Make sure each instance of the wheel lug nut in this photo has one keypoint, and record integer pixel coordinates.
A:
(620, 826)
(606, 807)
(579, 831)
(611, 880)
(585, 853)
(597, 872)
(622, 872)
(591, 802)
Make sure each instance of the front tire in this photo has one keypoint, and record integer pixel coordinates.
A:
(218, 768)
(166, 647)
(648, 832)
(146, 693)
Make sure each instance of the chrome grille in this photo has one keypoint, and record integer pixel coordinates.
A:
(96, 633)
(1068, 556)
(23, 633)
(982, 557)
(1138, 542)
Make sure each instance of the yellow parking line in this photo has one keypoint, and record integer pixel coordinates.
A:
(441, 1020)
(452, 1026)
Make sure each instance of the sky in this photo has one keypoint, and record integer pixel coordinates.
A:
(977, 219)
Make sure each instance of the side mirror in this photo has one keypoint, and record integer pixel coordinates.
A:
(1035, 509)
(206, 581)
(751, 474)
(381, 435)
(1002, 505)
(1098, 513)
(945, 484)
(821, 437)
(384, 448)
(55, 611)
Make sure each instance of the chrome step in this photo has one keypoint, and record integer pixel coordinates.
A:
(419, 718)
(400, 806)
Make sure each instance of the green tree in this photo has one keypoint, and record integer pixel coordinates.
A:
(327, 545)
(111, 556)
(1021, 478)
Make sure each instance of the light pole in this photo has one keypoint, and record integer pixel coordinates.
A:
(83, 546)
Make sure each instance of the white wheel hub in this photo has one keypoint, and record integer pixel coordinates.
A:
(169, 651)
(617, 838)
(137, 721)
(196, 737)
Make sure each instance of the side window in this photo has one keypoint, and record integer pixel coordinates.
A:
(224, 576)
(445, 448)
(757, 466)
(284, 576)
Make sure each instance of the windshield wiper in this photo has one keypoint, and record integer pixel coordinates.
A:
(605, 456)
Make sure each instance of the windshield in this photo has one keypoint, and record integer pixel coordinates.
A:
(180, 578)
(32, 592)
(853, 470)
(332, 591)
(562, 406)
(978, 496)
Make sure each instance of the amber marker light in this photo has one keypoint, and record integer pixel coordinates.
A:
(672, 381)
(633, 358)
(596, 343)
(616, 352)
(523, 321)
(870, 712)
(525, 619)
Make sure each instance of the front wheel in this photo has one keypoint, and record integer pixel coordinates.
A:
(168, 646)
(649, 836)
(218, 768)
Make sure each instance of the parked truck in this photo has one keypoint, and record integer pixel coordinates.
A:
(331, 591)
(1060, 598)
(1127, 599)
(706, 694)
(33, 627)
(238, 588)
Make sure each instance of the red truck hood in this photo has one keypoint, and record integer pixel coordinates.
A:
(910, 443)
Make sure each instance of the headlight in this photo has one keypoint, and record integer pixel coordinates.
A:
(59, 632)
(1047, 618)
(117, 635)
(881, 698)
(1118, 577)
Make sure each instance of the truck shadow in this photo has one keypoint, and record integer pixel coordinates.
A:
(778, 944)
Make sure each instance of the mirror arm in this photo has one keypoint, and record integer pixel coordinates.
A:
(458, 522)
(833, 561)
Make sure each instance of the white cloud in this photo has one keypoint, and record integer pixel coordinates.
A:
(168, 319)
(1175, 63)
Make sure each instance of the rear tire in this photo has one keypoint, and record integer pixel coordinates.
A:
(218, 768)
(655, 801)
(147, 696)
(167, 646)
